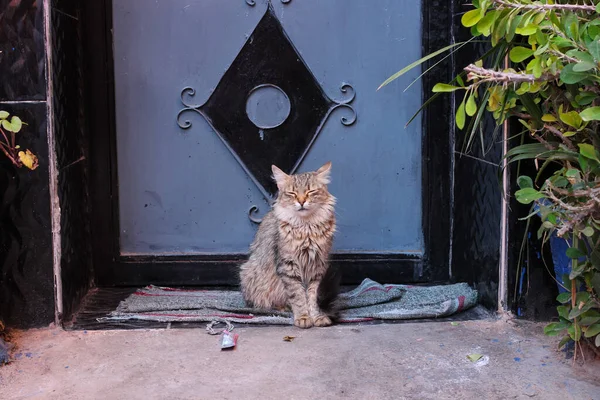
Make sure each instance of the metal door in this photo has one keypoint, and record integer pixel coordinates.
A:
(209, 93)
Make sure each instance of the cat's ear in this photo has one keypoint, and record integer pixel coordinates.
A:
(324, 172)
(279, 176)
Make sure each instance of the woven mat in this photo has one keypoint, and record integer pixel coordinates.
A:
(368, 301)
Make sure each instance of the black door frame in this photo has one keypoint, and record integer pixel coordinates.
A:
(113, 269)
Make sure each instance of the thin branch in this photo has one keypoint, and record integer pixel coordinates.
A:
(520, 115)
(10, 157)
(591, 192)
(546, 7)
(490, 75)
(5, 137)
(543, 141)
(562, 137)
(564, 56)
(588, 206)
(5, 146)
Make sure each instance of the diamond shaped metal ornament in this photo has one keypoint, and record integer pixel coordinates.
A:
(268, 108)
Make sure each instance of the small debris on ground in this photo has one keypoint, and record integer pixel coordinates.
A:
(479, 359)
(454, 323)
(228, 340)
(288, 338)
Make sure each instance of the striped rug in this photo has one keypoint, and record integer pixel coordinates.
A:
(367, 302)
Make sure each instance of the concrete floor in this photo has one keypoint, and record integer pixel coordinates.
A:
(397, 361)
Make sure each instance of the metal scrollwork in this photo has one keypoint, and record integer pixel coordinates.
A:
(252, 3)
(233, 132)
(187, 92)
(251, 215)
(350, 93)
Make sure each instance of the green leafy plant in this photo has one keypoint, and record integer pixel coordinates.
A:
(9, 127)
(552, 87)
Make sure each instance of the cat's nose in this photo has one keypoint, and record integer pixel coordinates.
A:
(302, 201)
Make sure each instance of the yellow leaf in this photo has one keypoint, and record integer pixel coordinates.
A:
(28, 159)
(548, 118)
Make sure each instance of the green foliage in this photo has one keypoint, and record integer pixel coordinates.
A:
(8, 143)
(552, 87)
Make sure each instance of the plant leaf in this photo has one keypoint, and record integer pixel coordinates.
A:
(563, 297)
(583, 66)
(471, 106)
(16, 123)
(471, 18)
(588, 151)
(418, 62)
(460, 115)
(564, 341)
(554, 328)
(573, 253)
(536, 67)
(585, 98)
(444, 87)
(567, 75)
(4, 114)
(590, 114)
(519, 53)
(485, 24)
(588, 231)
(592, 330)
(524, 181)
(563, 311)
(500, 28)
(590, 317)
(594, 48)
(528, 30)
(7, 125)
(575, 332)
(28, 159)
(527, 195)
(571, 118)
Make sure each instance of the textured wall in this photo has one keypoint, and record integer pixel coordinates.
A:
(477, 194)
(26, 277)
(71, 144)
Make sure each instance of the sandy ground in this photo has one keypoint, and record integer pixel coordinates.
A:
(397, 361)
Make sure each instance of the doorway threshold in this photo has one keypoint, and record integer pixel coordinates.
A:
(100, 302)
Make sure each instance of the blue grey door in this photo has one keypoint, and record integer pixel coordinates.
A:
(209, 93)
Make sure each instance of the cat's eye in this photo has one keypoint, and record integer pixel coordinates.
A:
(291, 194)
(312, 192)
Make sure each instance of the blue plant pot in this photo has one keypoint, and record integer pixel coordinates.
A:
(562, 263)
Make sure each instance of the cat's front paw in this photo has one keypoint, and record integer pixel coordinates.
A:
(303, 322)
(322, 320)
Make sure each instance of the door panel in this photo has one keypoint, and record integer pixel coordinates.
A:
(185, 192)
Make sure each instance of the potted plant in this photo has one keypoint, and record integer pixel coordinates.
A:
(552, 87)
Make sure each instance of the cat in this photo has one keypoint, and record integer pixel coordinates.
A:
(288, 262)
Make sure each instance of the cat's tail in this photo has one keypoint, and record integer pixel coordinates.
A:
(328, 291)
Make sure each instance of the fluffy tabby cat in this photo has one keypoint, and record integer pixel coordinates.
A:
(288, 263)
